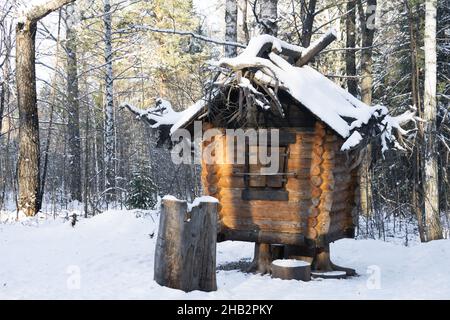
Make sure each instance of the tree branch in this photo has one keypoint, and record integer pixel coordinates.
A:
(184, 33)
(39, 11)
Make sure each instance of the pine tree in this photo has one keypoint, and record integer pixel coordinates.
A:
(142, 191)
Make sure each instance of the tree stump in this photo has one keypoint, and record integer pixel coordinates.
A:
(291, 269)
(185, 255)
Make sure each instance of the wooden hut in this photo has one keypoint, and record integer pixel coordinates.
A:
(309, 202)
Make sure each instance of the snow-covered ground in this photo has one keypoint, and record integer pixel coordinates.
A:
(110, 256)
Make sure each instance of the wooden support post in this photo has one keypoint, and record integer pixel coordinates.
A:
(185, 255)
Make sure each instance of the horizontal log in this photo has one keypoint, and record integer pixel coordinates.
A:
(300, 156)
(312, 222)
(261, 236)
(269, 195)
(296, 164)
(300, 148)
(261, 224)
(311, 233)
(294, 184)
(329, 155)
(236, 206)
(231, 182)
(316, 181)
(315, 192)
(300, 195)
(282, 215)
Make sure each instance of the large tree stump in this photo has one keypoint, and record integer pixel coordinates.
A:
(291, 269)
(185, 256)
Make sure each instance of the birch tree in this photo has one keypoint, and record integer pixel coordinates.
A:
(29, 156)
(109, 105)
(268, 17)
(433, 228)
(367, 23)
(231, 14)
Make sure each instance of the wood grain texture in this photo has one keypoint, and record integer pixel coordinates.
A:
(322, 186)
(185, 255)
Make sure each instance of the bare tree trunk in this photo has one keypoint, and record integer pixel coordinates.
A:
(417, 191)
(268, 17)
(231, 26)
(3, 86)
(308, 21)
(4, 106)
(350, 54)
(431, 186)
(29, 156)
(86, 164)
(73, 107)
(109, 107)
(367, 21)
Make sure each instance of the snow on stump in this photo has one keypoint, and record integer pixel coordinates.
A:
(185, 254)
(291, 269)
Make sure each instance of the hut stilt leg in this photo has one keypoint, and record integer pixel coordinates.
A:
(263, 257)
(322, 262)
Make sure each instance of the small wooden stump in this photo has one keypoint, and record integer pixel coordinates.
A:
(291, 269)
(329, 274)
(185, 255)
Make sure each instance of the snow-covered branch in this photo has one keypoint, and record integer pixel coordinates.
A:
(161, 114)
(38, 9)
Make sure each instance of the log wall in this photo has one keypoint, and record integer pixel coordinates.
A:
(320, 195)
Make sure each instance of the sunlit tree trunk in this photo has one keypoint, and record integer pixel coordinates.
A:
(433, 228)
(29, 156)
(367, 22)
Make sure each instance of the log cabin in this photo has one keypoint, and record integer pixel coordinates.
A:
(322, 130)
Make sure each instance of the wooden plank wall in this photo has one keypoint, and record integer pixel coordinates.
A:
(321, 194)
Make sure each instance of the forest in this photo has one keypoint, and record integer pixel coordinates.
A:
(78, 79)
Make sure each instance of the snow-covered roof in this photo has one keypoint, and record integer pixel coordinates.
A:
(329, 102)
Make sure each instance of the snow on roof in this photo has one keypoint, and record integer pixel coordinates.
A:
(325, 99)
(336, 107)
(189, 114)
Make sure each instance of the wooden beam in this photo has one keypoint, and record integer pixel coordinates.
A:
(309, 53)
